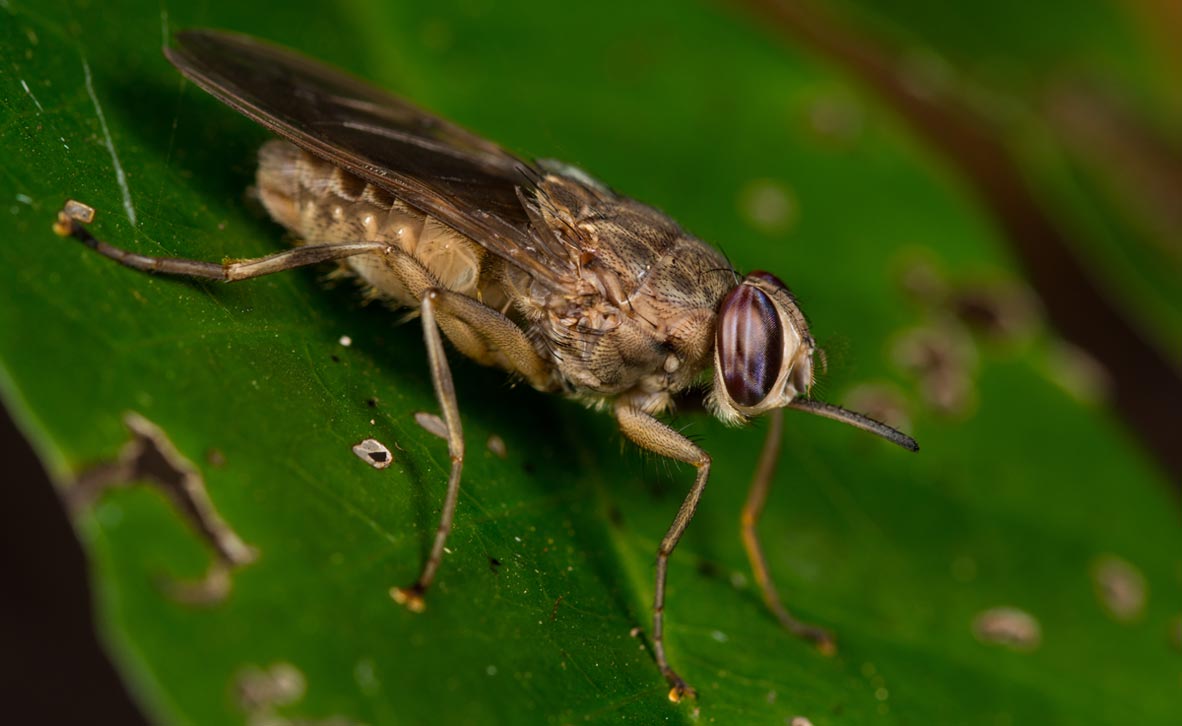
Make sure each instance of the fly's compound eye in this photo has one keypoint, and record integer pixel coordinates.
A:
(750, 344)
(769, 278)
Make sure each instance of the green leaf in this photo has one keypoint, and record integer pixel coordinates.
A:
(1022, 487)
(1091, 110)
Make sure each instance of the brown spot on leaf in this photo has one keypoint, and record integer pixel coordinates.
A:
(1120, 588)
(944, 361)
(1008, 626)
(496, 445)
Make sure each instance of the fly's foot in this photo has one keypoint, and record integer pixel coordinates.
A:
(825, 644)
(821, 639)
(678, 688)
(410, 597)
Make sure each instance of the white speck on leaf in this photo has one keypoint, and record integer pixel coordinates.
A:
(40, 108)
(431, 424)
(496, 445)
(374, 453)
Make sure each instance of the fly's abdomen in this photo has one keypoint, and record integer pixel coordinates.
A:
(321, 203)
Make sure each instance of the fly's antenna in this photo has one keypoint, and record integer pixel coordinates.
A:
(857, 420)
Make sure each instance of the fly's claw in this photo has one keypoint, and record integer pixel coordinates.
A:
(821, 639)
(64, 226)
(679, 688)
(826, 646)
(71, 215)
(409, 597)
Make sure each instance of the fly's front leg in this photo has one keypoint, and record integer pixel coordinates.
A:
(752, 511)
(649, 433)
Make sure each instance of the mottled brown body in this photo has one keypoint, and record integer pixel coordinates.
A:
(637, 318)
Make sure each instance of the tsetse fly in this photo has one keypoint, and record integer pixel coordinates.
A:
(532, 267)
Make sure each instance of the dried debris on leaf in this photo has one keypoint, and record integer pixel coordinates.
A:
(151, 457)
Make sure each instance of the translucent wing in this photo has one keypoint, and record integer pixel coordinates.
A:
(468, 183)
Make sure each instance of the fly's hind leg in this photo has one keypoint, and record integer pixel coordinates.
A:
(752, 510)
(70, 224)
(477, 330)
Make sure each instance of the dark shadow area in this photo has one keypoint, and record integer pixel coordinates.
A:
(213, 148)
(52, 667)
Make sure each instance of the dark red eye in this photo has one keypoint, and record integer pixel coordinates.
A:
(750, 345)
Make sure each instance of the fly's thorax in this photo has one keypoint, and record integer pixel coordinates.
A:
(322, 203)
(600, 357)
(763, 352)
(639, 318)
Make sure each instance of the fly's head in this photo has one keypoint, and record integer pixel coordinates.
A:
(763, 353)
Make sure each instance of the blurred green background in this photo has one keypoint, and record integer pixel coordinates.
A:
(977, 206)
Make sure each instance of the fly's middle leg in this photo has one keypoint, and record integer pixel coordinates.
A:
(445, 394)
(484, 335)
(752, 510)
(479, 332)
